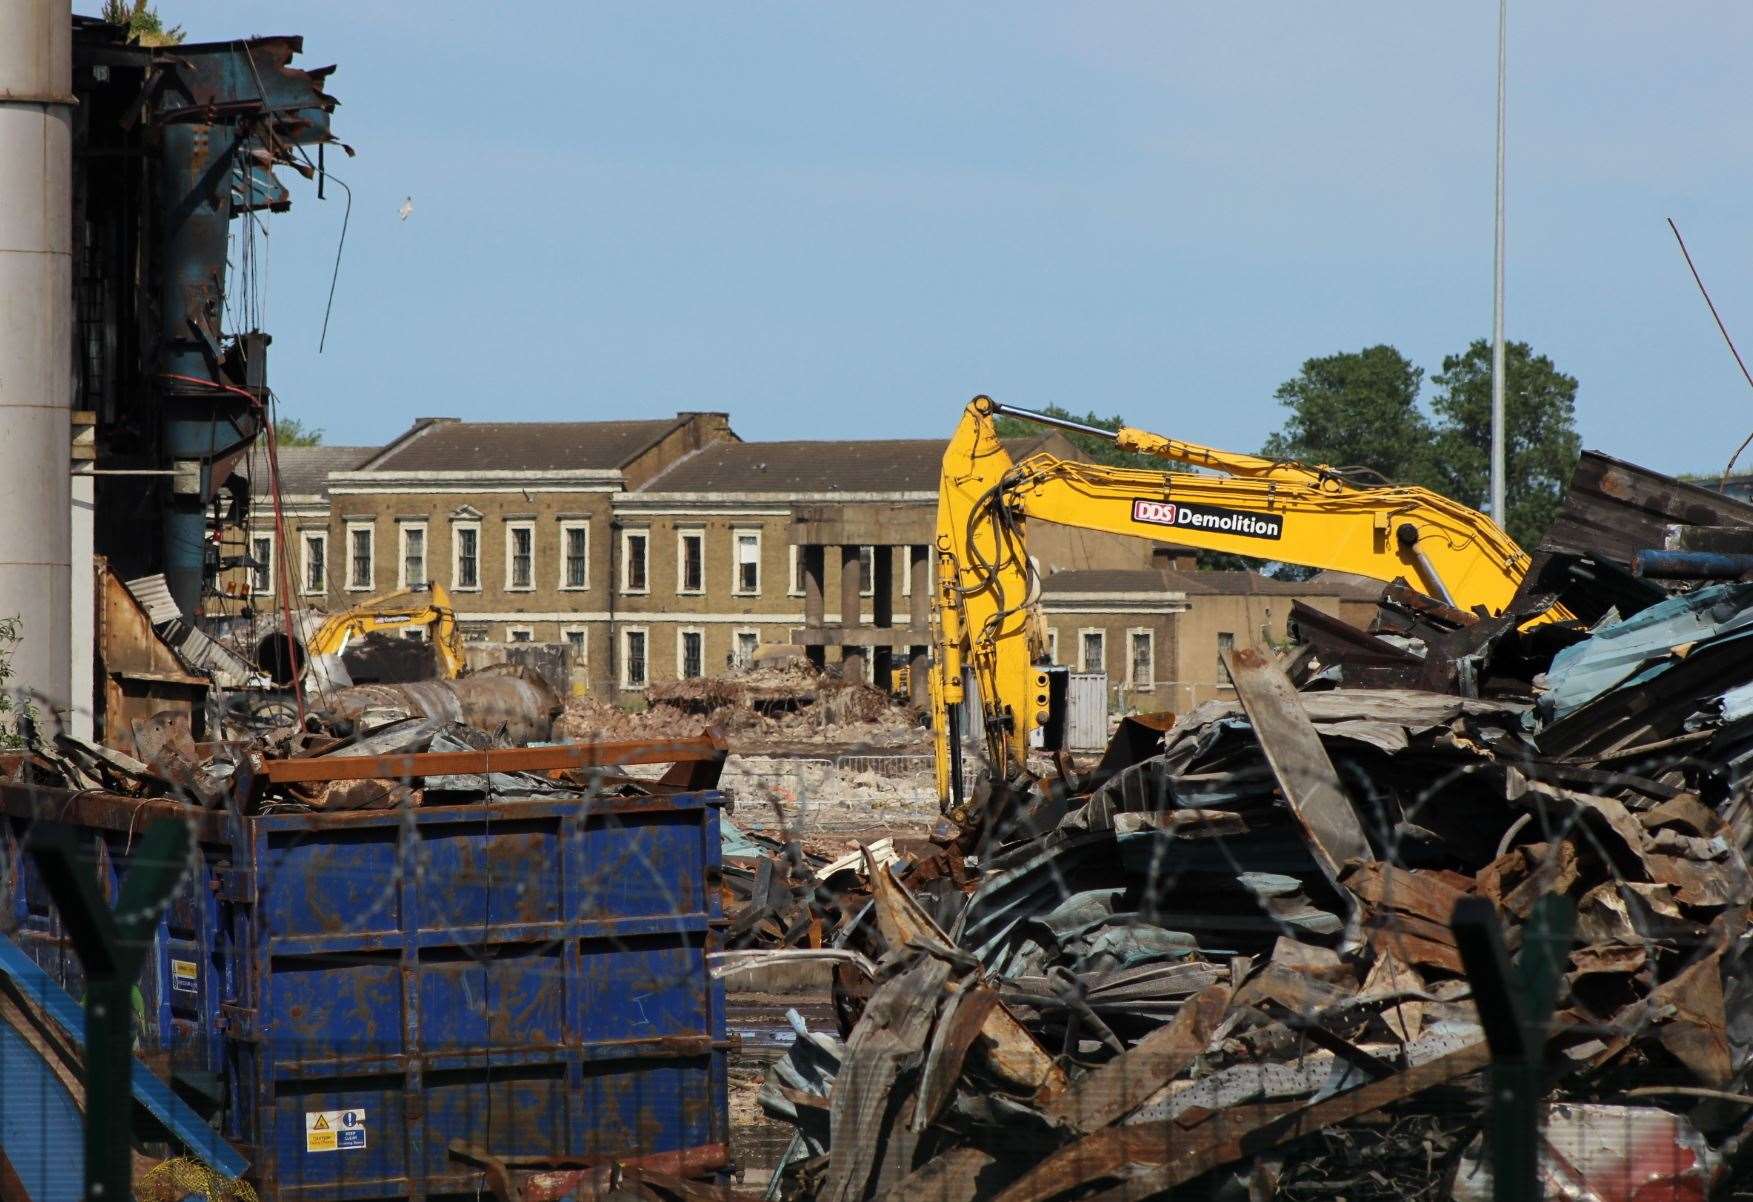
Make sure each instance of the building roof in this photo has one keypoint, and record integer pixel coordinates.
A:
(897, 465)
(1107, 580)
(1252, 584)
(304, 471)
(447, 445)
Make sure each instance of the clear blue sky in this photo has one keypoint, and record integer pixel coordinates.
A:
(838, 220)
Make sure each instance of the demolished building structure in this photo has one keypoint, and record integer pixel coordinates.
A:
(1278, 945)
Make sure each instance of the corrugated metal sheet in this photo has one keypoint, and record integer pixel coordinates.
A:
(154, 597)
(1086, 726)
(1617, 509)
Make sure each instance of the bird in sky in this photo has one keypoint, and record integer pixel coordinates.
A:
(407, 207)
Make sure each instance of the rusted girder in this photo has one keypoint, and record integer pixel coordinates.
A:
(699, 749)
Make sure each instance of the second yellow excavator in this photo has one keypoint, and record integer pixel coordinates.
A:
(427, 608)
(986, 614)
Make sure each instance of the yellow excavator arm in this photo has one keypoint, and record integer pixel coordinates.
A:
(986, 613)
(429, 607)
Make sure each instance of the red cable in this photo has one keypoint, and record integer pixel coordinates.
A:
(282, 585)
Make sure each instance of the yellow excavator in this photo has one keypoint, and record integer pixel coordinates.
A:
(427, 607)
(986, 612)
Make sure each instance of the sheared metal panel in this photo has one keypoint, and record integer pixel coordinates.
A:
(1086, 727)
(523, 976)
(1617, 509)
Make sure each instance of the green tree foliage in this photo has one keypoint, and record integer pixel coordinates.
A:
(1357, 409)
(1540, 439)
(1361, 409)
(290, 432)
(1102, 450)
(144, 24)
(1093, 447)
(11, 634)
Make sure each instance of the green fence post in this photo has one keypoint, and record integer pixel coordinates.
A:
(1515, 1005)
(111, 948)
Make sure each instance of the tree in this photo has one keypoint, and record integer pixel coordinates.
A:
(290, 432)
(1540, 439)
(11, 708)
(145, 27)
(1357, 409)
(1103, 450)
(1094, 447)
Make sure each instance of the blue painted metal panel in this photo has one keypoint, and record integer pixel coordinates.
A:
(152, 1093)
(526, 976)
(41, 1132)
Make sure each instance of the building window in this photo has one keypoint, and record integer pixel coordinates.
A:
(743, 647)
(262, 570)
(633, 658)
(690, 653)
(1053, 645)
(796, 574)
(691, 561)
(359, 565)
(1226, 641)
(520, 556)
(574, 555)
(634, 547)
(414, 634)
(1095, 651)
(413, 555)
(519, 634)
(474, 632)
(747, 563)
(316, 562)
(1141, 668)
(866, 572)
(576, 638)
(465, 545)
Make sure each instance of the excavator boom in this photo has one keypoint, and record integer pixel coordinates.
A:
(427, 608)
(986, 612)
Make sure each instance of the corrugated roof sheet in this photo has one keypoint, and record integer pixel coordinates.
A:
(452, 446)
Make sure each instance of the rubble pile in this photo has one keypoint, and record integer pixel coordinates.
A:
(791, 708)
(807, 796)
(367, 747)
(1255, 958)
(590, 719)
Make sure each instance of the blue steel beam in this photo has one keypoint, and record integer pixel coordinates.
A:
(226, 112)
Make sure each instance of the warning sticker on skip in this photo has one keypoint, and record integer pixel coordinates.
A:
(184, 976)
(334, 1130)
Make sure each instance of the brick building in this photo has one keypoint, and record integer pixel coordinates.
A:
(1159, 633)
(671, 548)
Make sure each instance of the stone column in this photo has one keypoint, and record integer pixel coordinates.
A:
(851, 655)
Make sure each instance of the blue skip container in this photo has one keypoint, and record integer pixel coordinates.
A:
(362, 994)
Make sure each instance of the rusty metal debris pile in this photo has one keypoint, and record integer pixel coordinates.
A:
(375, 747)
(1244, 956)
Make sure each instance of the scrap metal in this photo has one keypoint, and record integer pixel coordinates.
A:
(1237, 953)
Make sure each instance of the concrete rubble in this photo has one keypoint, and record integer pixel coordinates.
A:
(788, 710)
(1279, 947)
